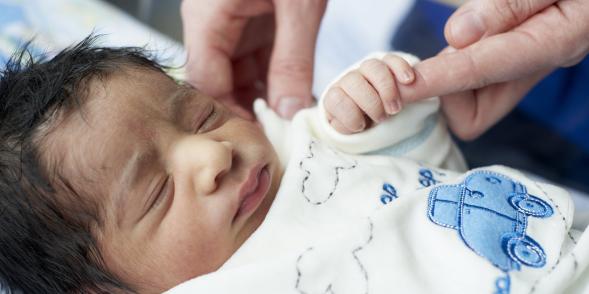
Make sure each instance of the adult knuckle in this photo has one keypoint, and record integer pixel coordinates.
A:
(464, 131)
(512, 12)
(573, 44)
(299, 68)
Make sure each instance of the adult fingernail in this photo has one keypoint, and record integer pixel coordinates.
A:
(467, 28)
(288, 106)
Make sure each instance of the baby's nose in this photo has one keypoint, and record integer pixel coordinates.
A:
(202, 162)
(219, 160)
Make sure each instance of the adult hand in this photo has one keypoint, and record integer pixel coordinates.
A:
(501, 49)
(237, 47)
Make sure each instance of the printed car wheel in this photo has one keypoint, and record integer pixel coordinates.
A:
(531, 205)
(526, 251)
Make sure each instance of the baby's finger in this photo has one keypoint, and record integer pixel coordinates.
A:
(382, 80)
(340, 107)
(363, 94)
(402, 70)
(338, 126)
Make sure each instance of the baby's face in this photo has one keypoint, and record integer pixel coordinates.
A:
(183, 182)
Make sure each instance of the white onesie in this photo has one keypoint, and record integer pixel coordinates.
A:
(390, 210)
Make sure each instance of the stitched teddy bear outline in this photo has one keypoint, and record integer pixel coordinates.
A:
(311, 163)
(490, 211)
(309, 281)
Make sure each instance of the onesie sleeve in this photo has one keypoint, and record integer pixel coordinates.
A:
(417, 132)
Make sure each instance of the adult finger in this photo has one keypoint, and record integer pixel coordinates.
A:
(208, 64)
(212, 32)
(470, 113)
(480, 18)
(555, 37)
(291, 64)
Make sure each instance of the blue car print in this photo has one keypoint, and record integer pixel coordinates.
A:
(490, 213)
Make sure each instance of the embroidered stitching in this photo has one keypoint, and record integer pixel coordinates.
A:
(559, 212)
(337, 170)
(487, 207)
(562, 217)
(575, 262)
(503, 285)
(361, 247)
(495, 199)
(390, 193)
(533, 288)
(329, 288)
(426, 178)
(299, 274)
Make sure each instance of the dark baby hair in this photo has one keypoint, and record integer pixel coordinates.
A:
(46, 241)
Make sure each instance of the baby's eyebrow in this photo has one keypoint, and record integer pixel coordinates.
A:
(176, 99)
(133, 171)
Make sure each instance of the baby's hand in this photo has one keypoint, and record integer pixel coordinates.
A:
(367, 94)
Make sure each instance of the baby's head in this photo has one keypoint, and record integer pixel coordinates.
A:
(115, 177)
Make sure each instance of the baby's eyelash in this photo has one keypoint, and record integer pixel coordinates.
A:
(163, 193)
(210, 120)
(201, 119)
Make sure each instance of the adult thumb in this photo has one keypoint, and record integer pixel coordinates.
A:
(208, 46)
(479, 18)
(291, 65)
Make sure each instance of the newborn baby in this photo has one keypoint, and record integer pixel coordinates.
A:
(117, 178)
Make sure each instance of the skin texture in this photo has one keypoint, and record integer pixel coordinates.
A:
(242, 49)
(501, 49)
(367, 95)
(167, 174)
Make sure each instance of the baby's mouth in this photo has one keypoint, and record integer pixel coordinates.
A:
(253, 191)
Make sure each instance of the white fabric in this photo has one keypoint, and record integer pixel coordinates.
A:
(328, 230)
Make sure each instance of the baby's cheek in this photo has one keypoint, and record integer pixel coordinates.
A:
(195, 235)
(180, 257)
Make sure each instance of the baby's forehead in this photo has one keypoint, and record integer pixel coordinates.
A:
(112, 124)
(130, 86)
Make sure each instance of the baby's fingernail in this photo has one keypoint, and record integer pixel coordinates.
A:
(393, 106)
(361, 127)
(407, 76)
(399, 105)
(288, 106)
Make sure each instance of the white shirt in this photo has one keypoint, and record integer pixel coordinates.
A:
(391, 210)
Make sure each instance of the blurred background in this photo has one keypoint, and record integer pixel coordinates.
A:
(163, 15)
